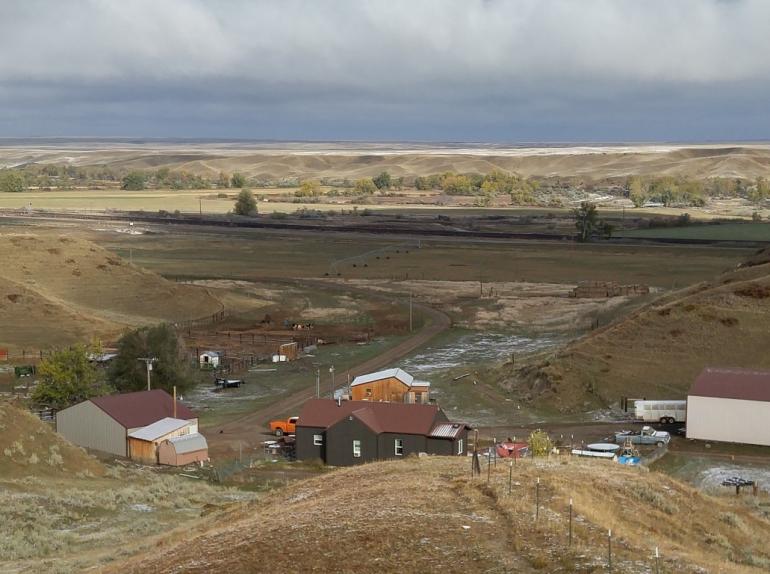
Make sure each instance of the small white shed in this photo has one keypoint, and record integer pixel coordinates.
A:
(210, 359)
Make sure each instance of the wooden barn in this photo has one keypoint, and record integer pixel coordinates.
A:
(391, 385)
(104, 423)
(344, 433)
(183, 450)
(143, 443)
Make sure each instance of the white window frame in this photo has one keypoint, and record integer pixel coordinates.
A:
(398, 446)
(460, 446)
(318, 440)
(356, 449)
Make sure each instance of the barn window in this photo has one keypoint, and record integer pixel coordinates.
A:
(318, 439)
(368, 392)
(357, 448)
(460, 446)
(399, 446)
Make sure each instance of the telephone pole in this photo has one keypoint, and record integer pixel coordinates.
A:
(148, 361)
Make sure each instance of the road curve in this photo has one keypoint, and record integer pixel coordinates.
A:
(224, 439)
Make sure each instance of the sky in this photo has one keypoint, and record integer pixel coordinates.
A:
(388, 70)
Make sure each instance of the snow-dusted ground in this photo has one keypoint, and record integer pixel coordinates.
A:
(711, 479)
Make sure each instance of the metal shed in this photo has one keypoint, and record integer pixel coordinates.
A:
(104, 423)
(183, 450)
(730, 405)
(143, 443)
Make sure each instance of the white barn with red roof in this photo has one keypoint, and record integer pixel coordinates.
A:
(730, 405)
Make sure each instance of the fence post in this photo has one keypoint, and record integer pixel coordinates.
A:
(510, 476)
(609, 550)
(537, 499)
(570, 522)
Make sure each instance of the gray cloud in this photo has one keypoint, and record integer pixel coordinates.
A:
(397, 69)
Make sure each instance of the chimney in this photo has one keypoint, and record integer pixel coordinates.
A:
(174, 401)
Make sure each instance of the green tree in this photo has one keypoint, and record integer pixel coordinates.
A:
(170, 369)
(245, 204)
(382, 181)
(68, 377)
(134, 181)
(11, 181)
(365, 186)
(586, 220)
(238, 180)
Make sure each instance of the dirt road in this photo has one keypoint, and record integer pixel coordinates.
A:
(224, 439)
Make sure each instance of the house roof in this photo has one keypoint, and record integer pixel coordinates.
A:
(189, 443)
(380, 417)
(211, 354)
(744, 384)
(447, 430)
(159, 429)
(402, 376)
(142, 408)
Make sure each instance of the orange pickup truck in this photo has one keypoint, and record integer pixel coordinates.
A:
(280, 428)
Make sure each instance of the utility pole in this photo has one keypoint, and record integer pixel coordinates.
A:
(410, 312)
(318, 384)
(148, 361)
(331, 370)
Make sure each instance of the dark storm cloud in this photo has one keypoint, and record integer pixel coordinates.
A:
(396, 69)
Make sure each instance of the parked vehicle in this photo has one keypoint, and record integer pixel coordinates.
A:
(648, 435)
(282, 427)
(664, 412)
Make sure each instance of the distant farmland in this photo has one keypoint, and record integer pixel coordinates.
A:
(722, 232)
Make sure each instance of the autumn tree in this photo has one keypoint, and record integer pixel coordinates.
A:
(308, 188)
(365, 186)
(68, 377)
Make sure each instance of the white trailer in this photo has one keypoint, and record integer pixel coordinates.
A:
(664, 412)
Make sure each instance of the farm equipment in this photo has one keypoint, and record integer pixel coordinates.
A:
(282, 427)
(228, 383)
(648, 436)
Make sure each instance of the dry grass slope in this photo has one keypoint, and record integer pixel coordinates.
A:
(58, 290)
(427, 515)
(657, 351)
(29, 447)
(330, 160)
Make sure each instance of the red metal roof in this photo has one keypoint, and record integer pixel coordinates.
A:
(744, 384)
(142, 408)
(380, 417)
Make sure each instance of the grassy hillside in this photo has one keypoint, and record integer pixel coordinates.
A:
(427, 515)
(57, 290)
(657, 351)
(29, 447)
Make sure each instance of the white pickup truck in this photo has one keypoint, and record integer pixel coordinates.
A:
(648, 435)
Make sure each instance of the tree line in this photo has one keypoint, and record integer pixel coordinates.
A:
(71, 375)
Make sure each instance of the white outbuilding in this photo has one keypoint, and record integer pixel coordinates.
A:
(209, 359)
(730, 405)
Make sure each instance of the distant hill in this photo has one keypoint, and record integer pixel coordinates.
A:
(59, 290)
(657, 351)
(365, 160)
(427, 515)
(29, 447)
